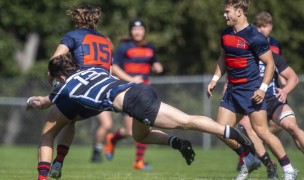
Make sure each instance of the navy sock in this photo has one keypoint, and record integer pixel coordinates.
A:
(266, 160)
(43, 169)
(174, 142)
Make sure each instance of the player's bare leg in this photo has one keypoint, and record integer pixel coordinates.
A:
(271, 167)
(54, 123)
(104, 121)
(259, 124)
(285, 117)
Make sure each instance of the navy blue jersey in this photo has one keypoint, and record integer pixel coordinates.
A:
(93, 88)
(134, 59)
(275, 46)
(280, 65)
(242, 51)
(89, 48)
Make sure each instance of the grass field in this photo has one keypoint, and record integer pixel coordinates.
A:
(20, 163)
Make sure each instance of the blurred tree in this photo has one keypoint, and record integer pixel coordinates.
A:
(185, 32)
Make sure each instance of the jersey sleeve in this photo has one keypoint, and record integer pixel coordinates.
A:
(154, 57)
(280, 62)
(56, 95)
(260, 45)
(119, 55)
(68, 41)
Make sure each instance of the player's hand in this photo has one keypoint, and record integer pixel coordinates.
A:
(211, 86)
(137, 79)
(281, 95)
(28, 104)
(258, 96)
(157, 67)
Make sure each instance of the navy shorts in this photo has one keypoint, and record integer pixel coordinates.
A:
(141, 103)
(237, 98)
(272, 104)
(71, 110)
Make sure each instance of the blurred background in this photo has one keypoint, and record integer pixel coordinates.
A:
(186, 34)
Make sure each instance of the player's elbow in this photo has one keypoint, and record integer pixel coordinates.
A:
(296, 81)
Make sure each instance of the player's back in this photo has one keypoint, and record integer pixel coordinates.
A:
(94, 88)
(89, 48)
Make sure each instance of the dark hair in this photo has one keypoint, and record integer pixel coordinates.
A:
(136, 22)
(62, 65)
(242, 4)
(85, 16)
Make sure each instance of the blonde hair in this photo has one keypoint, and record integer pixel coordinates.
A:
(85, 16)
(242, 4)
(262, 18)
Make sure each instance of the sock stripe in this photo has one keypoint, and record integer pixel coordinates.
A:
(227, 131)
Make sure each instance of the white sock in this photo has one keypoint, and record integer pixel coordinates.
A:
(287, 168)
(98, 147)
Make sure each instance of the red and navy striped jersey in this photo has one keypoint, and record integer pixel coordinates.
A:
(93, 88)
(135, 60)
(242, 51)
(89, 48)
(275, 46)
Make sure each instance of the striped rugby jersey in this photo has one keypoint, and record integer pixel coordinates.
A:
(242, 51)
(94, 88)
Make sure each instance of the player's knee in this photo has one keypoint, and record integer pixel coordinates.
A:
(107, 126)
(262, 133)
(291, 127)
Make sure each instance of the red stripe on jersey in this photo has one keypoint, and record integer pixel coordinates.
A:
(100, 51)
(235, 41)
(275, 49)
(139, 52)
(237, 80)
(236, 62)
(147, 81)
(137, 68)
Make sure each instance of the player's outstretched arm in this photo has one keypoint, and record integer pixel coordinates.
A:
(38, 102)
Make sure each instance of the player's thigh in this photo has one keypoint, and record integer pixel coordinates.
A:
(258, 120)
(226, 117)
(105, 119)
(139, 130)
(127, 121)
(55, 121)
(282, 111)
(170, 117)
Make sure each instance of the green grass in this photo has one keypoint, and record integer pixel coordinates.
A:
(19, 162)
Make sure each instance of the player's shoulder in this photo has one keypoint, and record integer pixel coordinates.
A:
(253, 36)
(252, 32)
(83, 32)
(272, 40)
(228, 30)
(125, 44)
(150, 45)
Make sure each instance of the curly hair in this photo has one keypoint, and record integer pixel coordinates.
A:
(85, 16)
(242, 4)
(62, 65)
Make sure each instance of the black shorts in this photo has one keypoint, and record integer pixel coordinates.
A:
(272, 104)
(141, 103)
